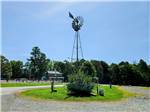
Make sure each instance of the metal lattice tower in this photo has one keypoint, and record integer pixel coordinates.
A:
(76, 25)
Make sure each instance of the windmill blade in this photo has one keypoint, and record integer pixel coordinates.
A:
(80, 19)
(71, 16)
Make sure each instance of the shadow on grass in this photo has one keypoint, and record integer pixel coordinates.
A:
(78, 95)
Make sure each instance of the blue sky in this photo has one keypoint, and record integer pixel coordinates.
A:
(112, 31)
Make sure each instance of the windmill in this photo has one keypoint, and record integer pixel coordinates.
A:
(76, 25)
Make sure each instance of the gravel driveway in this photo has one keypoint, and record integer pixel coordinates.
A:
(12, 103)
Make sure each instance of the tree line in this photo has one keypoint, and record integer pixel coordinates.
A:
(37, 66)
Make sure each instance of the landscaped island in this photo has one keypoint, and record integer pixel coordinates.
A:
(114, 94)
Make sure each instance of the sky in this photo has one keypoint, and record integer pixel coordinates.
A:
(112, 31)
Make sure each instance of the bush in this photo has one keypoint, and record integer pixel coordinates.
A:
(80, 84)
(88, 69)
(101, 92)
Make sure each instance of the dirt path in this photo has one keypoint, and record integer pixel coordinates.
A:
(11, 103)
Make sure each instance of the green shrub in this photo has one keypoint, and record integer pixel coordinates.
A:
(101, 92)
(88, 69)
(80, 84)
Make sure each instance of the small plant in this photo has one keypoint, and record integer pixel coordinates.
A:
(80, 84)
(101, 92)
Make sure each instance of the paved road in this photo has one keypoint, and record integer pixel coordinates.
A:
(12, 103)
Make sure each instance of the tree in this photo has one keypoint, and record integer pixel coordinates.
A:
(63, 68)
(69, 69)
(50, 65)
(38, 63)
(125, 73)
(137, 77)
(88, 69)
(26, 72)
(105, 74)
(77, 65)
(98, 68)
(17, 67)
(115, 76)
(6, 70)
(59, 66)
(142, 67)
(129, 74)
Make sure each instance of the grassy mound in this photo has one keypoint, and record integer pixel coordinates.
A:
(116, 93)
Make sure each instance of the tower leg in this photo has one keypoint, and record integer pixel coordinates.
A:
(77, 46)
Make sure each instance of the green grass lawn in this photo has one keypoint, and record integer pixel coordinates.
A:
(21, 84)
(116, 93)
(146, 88)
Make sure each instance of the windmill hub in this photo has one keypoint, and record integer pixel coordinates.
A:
(77, 22)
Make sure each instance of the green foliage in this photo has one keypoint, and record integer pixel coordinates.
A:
(88, 69)
(106, 73)
(37, 66)
(26, 72)
(65, 67)
(50, 65)
(17, 67)
(38, 63)
(102, 71)
(101, 92)
(115, 76)
(68, 70)
(80, 84)
(144, 70)
(124, 74)
(98, 68)
(59, 66)
(142, 66)
(6, 69)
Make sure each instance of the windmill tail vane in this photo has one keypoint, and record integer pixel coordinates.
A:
(70, 15)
